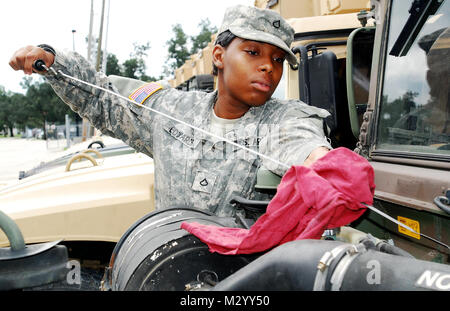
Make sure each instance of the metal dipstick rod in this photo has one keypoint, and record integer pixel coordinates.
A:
(40, 65)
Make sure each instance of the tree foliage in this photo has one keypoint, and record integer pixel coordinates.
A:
(134, 67)
(33, 109)
(112, 65)
(204, 37)
(178, 51)
(40, 104)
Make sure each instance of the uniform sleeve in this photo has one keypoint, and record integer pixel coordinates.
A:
(298, 131)
(110, 114)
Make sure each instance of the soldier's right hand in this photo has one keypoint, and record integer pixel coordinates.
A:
(24, 58)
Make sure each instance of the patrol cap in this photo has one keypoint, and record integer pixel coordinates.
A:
(257, 24)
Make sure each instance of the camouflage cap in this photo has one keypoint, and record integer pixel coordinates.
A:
(262, 25)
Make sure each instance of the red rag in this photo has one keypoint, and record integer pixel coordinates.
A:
(308, 201)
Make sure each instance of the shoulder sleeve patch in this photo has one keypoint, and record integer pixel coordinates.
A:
(142, 93)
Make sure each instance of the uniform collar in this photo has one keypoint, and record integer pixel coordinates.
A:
(201, 116)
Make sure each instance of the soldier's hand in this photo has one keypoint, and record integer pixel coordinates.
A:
(24, 58)
(315, 155)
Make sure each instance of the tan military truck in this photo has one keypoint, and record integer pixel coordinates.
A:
(406, 145)
(82, 202)
(381, 69)
(383, 75)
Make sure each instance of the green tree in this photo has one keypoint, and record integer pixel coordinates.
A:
(112, 65)
(13, 111)
(43, 105)
(20, 112)
(135, 66)
(204, 37)
(5, 112)
(178, 52)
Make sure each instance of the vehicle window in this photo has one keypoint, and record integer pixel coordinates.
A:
(415, 110)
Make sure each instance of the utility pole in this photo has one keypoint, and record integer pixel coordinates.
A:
(105, 52)
(99, 52)
(86, 127)
(91, 22)
(67, 120)
(73, 38)
(100, 36)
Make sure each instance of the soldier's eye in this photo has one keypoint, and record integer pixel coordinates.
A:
(279, 59)
(251, 52)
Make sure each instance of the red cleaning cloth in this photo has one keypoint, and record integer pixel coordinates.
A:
(308, 201)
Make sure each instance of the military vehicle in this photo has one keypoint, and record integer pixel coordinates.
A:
(381, 69)
(80, 203)
(383, 74)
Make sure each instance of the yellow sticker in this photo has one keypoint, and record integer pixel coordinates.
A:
(413, 224)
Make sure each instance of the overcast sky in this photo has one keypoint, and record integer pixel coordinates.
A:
(28, 22)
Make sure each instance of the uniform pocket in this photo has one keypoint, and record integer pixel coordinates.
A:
(204, 181)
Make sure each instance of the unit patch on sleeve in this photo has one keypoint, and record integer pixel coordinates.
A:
(144, 92)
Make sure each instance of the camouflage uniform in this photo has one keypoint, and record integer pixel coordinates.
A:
(191, 168)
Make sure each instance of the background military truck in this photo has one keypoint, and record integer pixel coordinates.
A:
(381, 69)
(80, 203)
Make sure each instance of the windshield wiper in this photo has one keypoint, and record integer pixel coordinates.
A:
(418, 14)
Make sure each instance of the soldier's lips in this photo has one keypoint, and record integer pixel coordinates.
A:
(261, 86)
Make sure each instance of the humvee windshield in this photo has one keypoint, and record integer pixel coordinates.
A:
(414, 116)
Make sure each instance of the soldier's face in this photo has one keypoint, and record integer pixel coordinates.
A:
(250, 71)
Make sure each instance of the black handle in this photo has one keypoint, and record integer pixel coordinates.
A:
(39, 65)
(443, 202)
(250, 205)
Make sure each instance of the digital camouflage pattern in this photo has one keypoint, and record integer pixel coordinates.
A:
(262, 25)
(191, 168)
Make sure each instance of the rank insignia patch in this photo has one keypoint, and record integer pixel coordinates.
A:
(144, 92)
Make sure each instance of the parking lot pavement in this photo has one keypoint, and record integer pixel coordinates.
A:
(23, 154)
(18, 154)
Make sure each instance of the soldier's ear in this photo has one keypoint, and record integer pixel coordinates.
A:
(217, 56)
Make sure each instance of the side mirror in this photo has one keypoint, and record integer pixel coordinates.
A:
(358, 68)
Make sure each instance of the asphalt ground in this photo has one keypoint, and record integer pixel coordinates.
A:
(17, 154)
(23, 154)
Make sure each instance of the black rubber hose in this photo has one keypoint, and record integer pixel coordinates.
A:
(391, 249)
(439, 201)
(291, 266)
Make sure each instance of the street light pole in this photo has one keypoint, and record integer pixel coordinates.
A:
(73, 38)
(67, 120)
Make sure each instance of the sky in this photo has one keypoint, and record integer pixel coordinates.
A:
(30, 22)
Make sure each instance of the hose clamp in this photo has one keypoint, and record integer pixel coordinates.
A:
(325, 262)
(342, 267)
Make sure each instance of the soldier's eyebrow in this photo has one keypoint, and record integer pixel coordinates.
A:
(259, 42)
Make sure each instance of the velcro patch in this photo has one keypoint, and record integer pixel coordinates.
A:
(144, 92)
